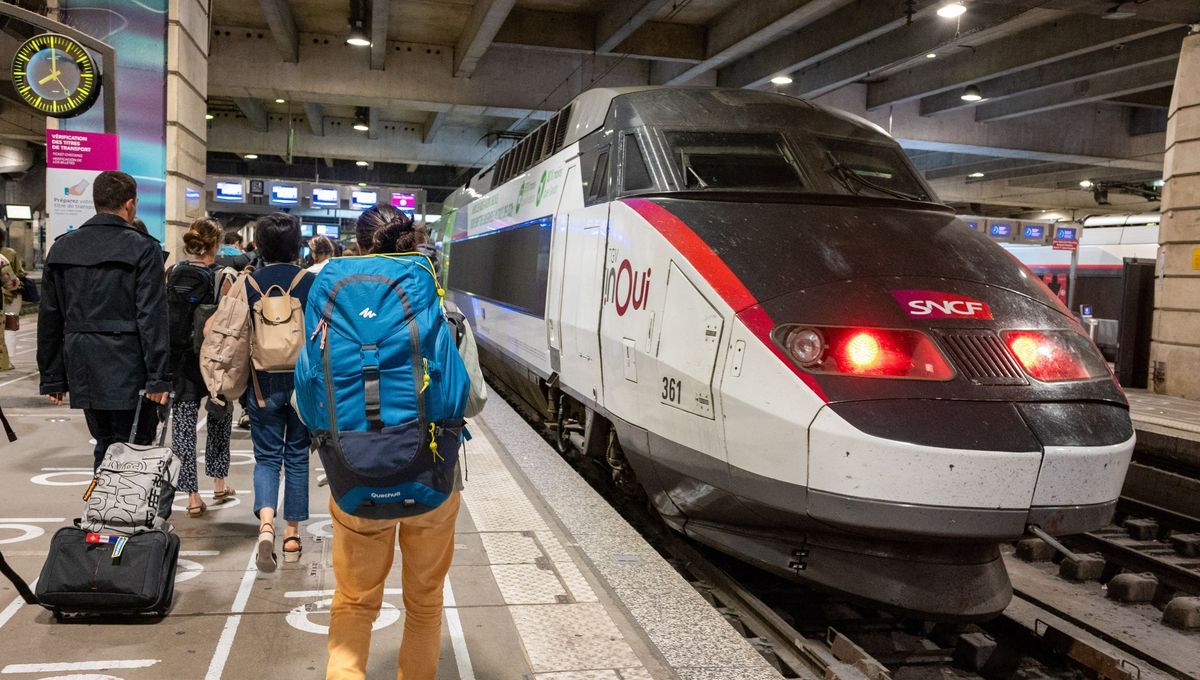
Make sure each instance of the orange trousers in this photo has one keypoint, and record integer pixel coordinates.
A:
(362, 557)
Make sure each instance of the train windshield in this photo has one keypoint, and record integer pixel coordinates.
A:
(869, 169)
(735, 160)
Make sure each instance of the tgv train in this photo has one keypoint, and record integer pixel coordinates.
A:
(756, 308)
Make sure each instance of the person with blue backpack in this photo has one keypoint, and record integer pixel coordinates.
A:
(385, 389)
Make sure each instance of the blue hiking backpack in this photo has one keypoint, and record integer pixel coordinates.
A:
(381, 385)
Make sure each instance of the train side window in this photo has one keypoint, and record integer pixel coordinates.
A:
(598, 187)
(637, 175)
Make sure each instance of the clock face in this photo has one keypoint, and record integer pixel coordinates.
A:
(55, 75)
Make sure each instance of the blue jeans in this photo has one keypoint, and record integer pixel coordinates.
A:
(280, 440)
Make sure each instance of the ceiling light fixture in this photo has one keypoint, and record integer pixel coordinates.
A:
(250, 156)
(361, 164)
(280, 101)
(1086, 184)
(209, 116)
(954, 9)
(1121, 10)
(358, 24)
(1157, 183)
(361, 116)
(971, 94)
(362, 184)
(781, 80)
(975, 175)
(931, 55)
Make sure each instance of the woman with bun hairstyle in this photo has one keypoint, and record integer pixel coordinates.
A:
(363, 549)
(322, 252)
(191, 283)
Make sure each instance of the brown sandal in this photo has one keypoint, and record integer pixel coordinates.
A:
(292, 555)
(265, 558)
(197, 510)
(225, 494)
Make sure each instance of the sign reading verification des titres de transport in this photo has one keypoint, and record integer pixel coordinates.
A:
(73, 160)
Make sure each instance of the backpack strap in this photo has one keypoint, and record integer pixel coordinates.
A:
(250, 280)
(296, 280)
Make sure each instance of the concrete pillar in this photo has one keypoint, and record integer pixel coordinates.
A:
(1175, 346)
(187, 129)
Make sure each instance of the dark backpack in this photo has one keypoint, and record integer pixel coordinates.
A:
(191, 299)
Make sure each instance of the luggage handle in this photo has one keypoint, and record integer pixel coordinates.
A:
(137, 414)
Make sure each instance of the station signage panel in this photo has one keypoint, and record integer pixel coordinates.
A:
(306, 230)
(1000, 230)
(1066, 238)
(1033, 232)
(230, 192)
(973, 225)
(285, 194)
(326, 197)
(361, 199)
(332, 231)
(18, 212)
(407, 203)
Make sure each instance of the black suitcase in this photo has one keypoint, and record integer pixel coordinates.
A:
(108, 573)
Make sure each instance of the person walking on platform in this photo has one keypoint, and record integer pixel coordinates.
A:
(12, 296)
(231, 254)
(280, 438)
(363, 549)
(193, 282)
(9, 284)
(322, 253)
(102, 321)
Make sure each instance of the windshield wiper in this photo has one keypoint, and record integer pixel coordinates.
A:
(844, 174)
(703, 184)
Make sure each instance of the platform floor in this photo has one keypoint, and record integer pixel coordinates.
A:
(548, 582)
(1180, 417)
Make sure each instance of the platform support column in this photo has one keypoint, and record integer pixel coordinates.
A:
(1175, 346)
(187, 128)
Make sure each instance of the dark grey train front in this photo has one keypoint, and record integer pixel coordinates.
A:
(807, 361)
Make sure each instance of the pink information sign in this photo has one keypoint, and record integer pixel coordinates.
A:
(71, 150)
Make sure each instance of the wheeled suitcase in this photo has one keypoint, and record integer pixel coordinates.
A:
(94, 572)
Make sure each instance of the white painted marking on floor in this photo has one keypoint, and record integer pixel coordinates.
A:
(14, 606)
(28, 532)
(458, 640)
(199, 553)
(298, 617)
(34, 520)
(71, 469)
(30, 375)
(200, 425)
(221, 654)
(187, 570)
(329, 593)
(78, 666)
(46, 479)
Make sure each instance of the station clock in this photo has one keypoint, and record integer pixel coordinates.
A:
(55, 75)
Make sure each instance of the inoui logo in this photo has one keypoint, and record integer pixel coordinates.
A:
(367, 313)
(930, 304)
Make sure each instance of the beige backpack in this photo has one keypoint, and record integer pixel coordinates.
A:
(225, 352)
(278, 324)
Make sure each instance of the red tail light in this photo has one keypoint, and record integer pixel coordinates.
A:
(866, 352)
(1056, 356)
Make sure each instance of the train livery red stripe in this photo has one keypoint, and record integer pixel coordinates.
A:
(719, 276)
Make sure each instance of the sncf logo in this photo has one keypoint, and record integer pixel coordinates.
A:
(930, 304)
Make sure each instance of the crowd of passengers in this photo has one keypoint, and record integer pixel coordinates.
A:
(107, 344)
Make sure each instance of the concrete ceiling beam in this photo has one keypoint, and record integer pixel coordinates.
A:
(373, 122)
(283, 28)
(1061, 39)
(621, 19)
(753, 24)
(254, 111)
(999, 193)
(1110, 59)
(487, 16)
(316, 118)
(510, 83)
(380, 15)
(1147, 77)
(433, 123)
(568, 32)
(927, 33)
(990, 168)
(1070, 179)
(1164, 11)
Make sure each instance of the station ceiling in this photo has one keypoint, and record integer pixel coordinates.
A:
(1072, 90)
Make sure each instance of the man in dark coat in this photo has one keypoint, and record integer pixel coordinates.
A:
(102, 323)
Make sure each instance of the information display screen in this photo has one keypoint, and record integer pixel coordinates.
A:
(285, 194)
(973, 225)
(325, 197)
(1066, 234)
(306, 230)
(1033, 232)
(230, 192)
(18, 212)
(361, 199)
(333, 231)
(1000, 230)
(405, 202)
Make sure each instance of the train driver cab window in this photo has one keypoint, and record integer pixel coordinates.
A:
(734, 160)
(637, 175)
(598, 184)
(866, 169)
